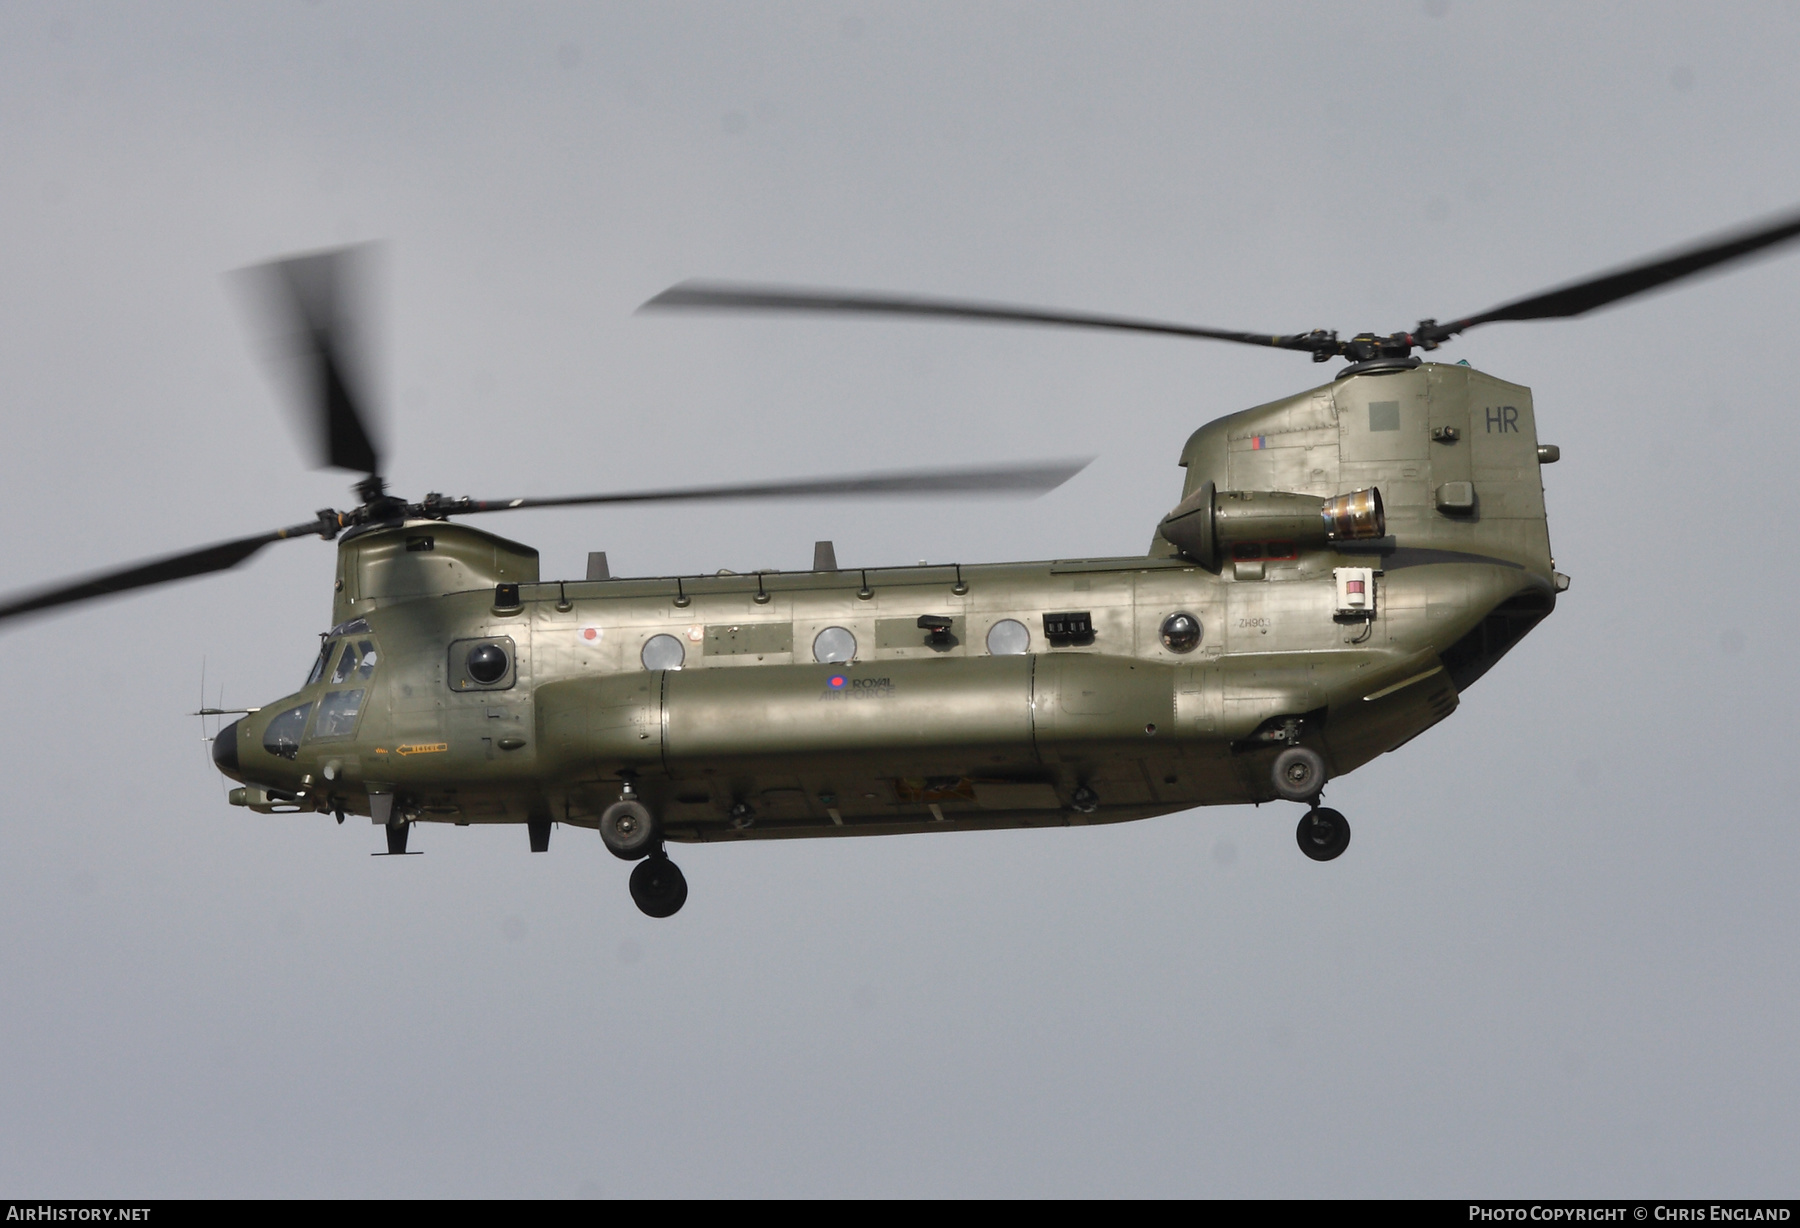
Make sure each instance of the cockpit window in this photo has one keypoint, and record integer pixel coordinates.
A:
(346, 664)
(318, 669)
(337, 714)
(282, 737)
(366, 650)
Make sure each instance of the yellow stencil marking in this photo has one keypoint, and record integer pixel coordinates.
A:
(422, 748)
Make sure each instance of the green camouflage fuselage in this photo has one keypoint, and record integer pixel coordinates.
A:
(933, 731)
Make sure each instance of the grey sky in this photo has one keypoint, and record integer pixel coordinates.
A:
(1558, 958)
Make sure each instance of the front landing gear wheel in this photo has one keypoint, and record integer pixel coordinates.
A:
(629, 830)
(657, 886)
(1323, 833)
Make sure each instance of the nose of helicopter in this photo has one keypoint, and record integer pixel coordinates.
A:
(225, 748)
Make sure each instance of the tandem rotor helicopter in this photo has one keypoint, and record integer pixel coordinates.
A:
(1341, 565)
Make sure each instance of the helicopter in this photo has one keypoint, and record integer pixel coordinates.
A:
(1340, 566)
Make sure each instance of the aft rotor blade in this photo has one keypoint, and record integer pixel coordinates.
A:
(314, 305)
(729, 296)
(1583, 296)
(207, 559)
(1032, 479)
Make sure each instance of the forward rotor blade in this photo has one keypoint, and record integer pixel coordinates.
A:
(220, 557)
(1583, 296)
(727, 296)
(314, 305)
(1032, 479)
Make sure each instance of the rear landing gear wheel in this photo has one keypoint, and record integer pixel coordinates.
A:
(1299, 773)
(657, 886)
(1323, 833)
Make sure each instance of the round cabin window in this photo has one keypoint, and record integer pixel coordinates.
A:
(1181, 632)
(1008, 638)
(487, 663)
(834, 645)
(663, 652)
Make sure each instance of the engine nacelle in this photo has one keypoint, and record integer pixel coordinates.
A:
(1208, 523)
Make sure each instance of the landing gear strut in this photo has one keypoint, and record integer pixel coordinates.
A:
(1323, 833)
(657, 886)
(397, 831)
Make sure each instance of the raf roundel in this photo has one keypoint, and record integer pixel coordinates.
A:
(836, 682)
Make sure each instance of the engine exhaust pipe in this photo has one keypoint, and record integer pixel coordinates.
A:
(1354, 517)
